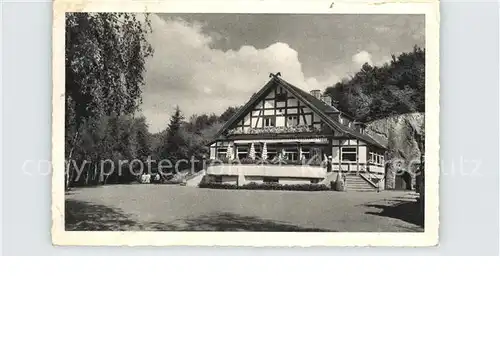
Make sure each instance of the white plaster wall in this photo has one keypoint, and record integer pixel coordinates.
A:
(283, 180)
(362, 154)
(269, 104)
(294, 181)
(298, 171)
(246, 120)
(280, 121)
(229, 179)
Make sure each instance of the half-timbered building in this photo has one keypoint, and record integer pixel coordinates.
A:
(286, 135)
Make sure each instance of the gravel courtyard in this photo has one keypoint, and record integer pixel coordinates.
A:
(172, 207)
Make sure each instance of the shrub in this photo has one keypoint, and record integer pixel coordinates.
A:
(213, 185)
(266, 186)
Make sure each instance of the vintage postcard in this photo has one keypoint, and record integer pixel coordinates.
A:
(246, 123)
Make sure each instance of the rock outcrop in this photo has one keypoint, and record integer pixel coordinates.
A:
(402, 135)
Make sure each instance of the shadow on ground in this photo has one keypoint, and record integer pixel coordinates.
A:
(408, 211)
(82, 216)
(227, 221)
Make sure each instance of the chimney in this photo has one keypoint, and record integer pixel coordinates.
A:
(327, 99)
(316, 93)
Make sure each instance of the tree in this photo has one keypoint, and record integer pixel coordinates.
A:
(174, 148)
(377, 92)
(226, 115)
(105, 66)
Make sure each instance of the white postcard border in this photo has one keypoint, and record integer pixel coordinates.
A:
(259, 239)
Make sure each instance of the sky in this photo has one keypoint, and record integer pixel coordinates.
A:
(205, 63)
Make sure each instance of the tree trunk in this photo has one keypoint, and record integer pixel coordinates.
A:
(95, 173)
(70, 160)
(88, 174)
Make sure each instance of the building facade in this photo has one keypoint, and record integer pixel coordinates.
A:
(286, 135)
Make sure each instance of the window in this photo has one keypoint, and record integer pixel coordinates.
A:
(316, 153)
(221, 152)
(376, 158)
(291, 154)
(268, 122)
(271, 180)
(218, 179)
(349, 154)
(310, 153)
(280, 94)
(306, 152)
(242, 151)
(271, 152)
(292, 120)
(314, 181)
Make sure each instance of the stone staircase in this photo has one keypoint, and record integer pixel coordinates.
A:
(354, 182)
(195, 179)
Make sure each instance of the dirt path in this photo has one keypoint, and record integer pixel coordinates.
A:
(172, 207)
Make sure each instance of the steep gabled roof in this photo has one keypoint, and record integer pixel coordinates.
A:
(309, 98)
(247, 107)
(327, 113)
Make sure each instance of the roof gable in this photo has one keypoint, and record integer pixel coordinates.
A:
(329, 114)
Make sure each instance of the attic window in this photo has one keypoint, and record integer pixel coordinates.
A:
(268, 122)
(293, 120)
(280, 94)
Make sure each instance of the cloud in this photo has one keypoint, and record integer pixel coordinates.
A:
(362, 57)
(189, 70)
(186, 71)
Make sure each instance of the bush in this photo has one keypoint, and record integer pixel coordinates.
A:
(266, 186)
(212, 185)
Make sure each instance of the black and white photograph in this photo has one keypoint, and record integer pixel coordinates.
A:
(291, 125)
